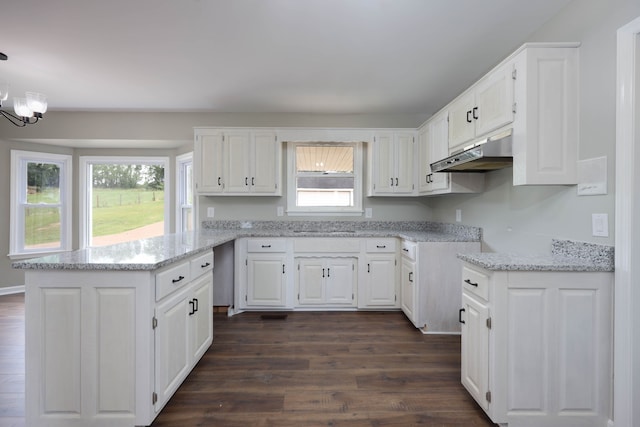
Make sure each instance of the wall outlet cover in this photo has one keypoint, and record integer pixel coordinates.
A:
(211, 212)
(458, 215)
(600, 225)
(368, 212)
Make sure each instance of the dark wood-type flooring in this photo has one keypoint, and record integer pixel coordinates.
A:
(311, 369)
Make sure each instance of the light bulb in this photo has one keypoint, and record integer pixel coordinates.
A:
(4, 92)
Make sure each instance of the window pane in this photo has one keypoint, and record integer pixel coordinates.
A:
(187, 219)
(42, 227)
(324, 158)
(324, 190)
(127, 202)
(189, 184)
(43, 183)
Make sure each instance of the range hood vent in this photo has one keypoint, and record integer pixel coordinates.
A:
(486, 155)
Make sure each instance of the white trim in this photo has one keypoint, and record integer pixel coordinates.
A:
(626, 387)
(84, 192)
(181, 161)
(16, 239)
(10, 290)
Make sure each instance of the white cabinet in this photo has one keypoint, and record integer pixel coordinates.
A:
(433, 145)
(237, 162)
(266, 269)
(536, 346)
(391, 164)
(326, 282)
(109, 347)
(379, 281)
(486, 106)
(409, 289)
(184, 331)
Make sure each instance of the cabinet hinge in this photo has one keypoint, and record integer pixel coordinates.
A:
(154, 398)
(489, 322)
(513, 108)
(154, 322)
(514, 74)
(488, 396)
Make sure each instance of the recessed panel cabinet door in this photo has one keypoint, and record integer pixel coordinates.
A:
(311, 277)
(264, 178)
(409, 290)
(475, 349)
(238, 171)
(381, 281)
(202, 318)
(383, 163)
(494, 100)
(340, 279)
(173, 353)
(266, 280)
(404, 163)
(461, 123)
(210, 178)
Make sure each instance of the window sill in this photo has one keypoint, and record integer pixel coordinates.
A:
(325, 213)
(27, 255)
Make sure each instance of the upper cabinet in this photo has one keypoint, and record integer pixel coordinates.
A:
(533, 92)
(487, 106)
(237, 162)
(433, 145)
(391, 164)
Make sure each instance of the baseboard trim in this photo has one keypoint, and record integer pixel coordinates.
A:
(12, 290)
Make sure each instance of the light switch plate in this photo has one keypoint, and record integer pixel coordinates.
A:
(368, 212)
(600, 225)
(211, 212)
(280, 211)
(458, 215)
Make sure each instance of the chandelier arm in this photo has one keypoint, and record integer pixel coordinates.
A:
(15, 120)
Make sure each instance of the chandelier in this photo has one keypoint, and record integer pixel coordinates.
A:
(28, 110)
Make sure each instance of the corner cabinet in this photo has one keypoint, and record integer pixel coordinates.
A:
(537, 346)
(237, 162)
(433, 145)
(391, 160)
(109, 347)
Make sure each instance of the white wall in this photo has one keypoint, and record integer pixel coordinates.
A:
(525, 219)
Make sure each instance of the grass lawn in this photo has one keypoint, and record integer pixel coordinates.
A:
(114, 211)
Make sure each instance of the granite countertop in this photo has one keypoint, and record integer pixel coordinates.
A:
(566, 255)
(157, 252)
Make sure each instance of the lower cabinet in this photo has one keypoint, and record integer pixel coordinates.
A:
(108, 348)
(409, 289)
(265, 269)
(326, 281)
(183, 332)
(537, 346)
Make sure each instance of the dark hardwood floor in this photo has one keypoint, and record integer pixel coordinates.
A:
(311, 369)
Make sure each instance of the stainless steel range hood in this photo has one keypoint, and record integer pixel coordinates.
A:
(488, 154)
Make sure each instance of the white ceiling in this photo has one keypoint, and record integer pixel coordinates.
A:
(310, 56)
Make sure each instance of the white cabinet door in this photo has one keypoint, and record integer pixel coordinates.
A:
(408, 289)
(475, 349)
(266, 280)
(404, 158)
(439, 149)
(461, 123)
(380, 281)
(202, 318)
(237, 162)
(340, 280)
(311, 277)
(383, 167)
(265, 163)
(173, 354)
(424, 160)
(209, 161)
(494, 100)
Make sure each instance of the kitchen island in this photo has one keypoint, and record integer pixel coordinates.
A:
(111, 332)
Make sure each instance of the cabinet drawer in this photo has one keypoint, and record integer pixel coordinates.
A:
(172, 279)
(266, 245)
(475, 282)
(317, 245)
(409, 250)
(381, 245)
(201, 264)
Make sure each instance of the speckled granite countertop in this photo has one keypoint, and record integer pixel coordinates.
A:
(157, 252)
(566, 255)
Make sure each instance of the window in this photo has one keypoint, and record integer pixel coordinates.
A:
(40, 203)
(123, 199)
(325, 178)
(184, 192)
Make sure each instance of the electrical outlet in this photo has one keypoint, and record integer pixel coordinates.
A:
(458, 215)
(280, 211)
(211, 212)
(600, 225)
(368, 212)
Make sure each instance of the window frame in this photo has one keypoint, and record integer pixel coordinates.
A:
(182, 161)
(85, 196)
(358, 170)
(19, 161)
